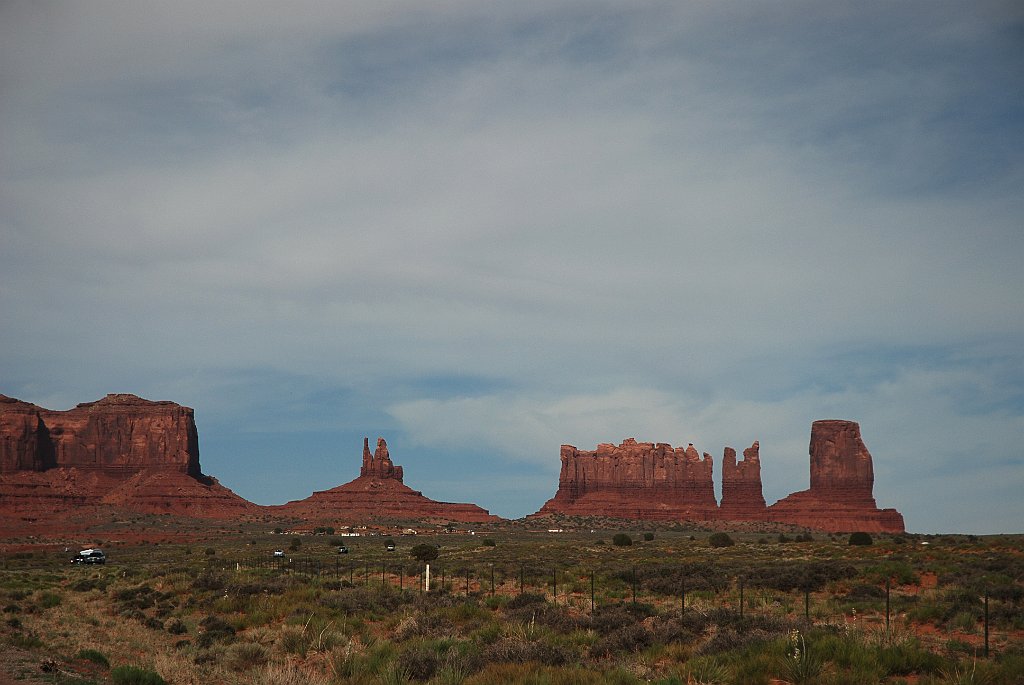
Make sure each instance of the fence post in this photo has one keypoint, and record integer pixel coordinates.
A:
(986, 623)
(401, 578)
(592, 604)
(741, 598)
(634, 585)
(522, 577)
(467, 581)
(807, 605)
(554, 584)
(888, 583)
(682, 596)
(383, 568)
(492, 580)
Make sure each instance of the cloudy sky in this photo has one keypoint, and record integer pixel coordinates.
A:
(484, 229)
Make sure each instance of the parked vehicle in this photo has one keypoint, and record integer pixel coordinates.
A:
(391, 547)
(343, 550)
(278, 552)
(90, 556)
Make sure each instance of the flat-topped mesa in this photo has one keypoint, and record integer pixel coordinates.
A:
(742, 497)
(118, 432)
(121, 450)
(841, 497)
(379, 464)
(642, 480)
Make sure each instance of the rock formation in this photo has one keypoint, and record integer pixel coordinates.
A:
(120, 450)
(742, 499)
(635, 480)
(378, 493)
(648, 481)
(24, 441)
(842, 482)
(378, 465)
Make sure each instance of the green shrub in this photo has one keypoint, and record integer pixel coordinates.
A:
(210, 551)
(174, 626)
(48, 600)
(94, 656)
(296, 543)
(424, 552)
(860, 538)
(622, 540)
(648, 537)
(488, 542)
(720, 540)
(134, 675)
(25, 641)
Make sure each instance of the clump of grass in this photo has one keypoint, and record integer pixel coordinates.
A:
(48, 600)
(287, 674)
(95, 656)
(800, 665)
(135, 675)
(706, 671)
(243, 656)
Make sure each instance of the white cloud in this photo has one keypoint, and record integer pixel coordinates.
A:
(675, 221)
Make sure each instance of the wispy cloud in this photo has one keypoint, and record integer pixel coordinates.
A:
(521, 225)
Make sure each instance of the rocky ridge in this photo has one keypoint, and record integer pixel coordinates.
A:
(649, 481)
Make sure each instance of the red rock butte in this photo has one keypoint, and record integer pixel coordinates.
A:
(842, 484)
(379, 493)
(635, 480)
(121, 450)
(648, 481)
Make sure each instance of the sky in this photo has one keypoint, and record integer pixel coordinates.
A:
(485, 229)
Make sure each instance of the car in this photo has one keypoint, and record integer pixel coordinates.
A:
(90, 556)
(278, 552)
(391, 547)
(343, 550)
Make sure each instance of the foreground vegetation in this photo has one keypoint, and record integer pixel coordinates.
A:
(514, 607)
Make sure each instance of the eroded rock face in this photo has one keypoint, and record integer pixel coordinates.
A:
(742, 498)
(641, 480)
(649, 481)
(24, 439)
(121, 450)
(379, 465)
(127, 433)
(842, 482)
(378, 493)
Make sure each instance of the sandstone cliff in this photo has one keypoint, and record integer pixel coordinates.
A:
(378, 493)
(742, 499)
(653, 481)
(120, 450)
(635, 480)
(841, 495)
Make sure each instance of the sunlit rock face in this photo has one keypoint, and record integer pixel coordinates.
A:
(379, 493)
(656, 482)
(842, 483)
(121, 450)
(742, 498)
(639, 480)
